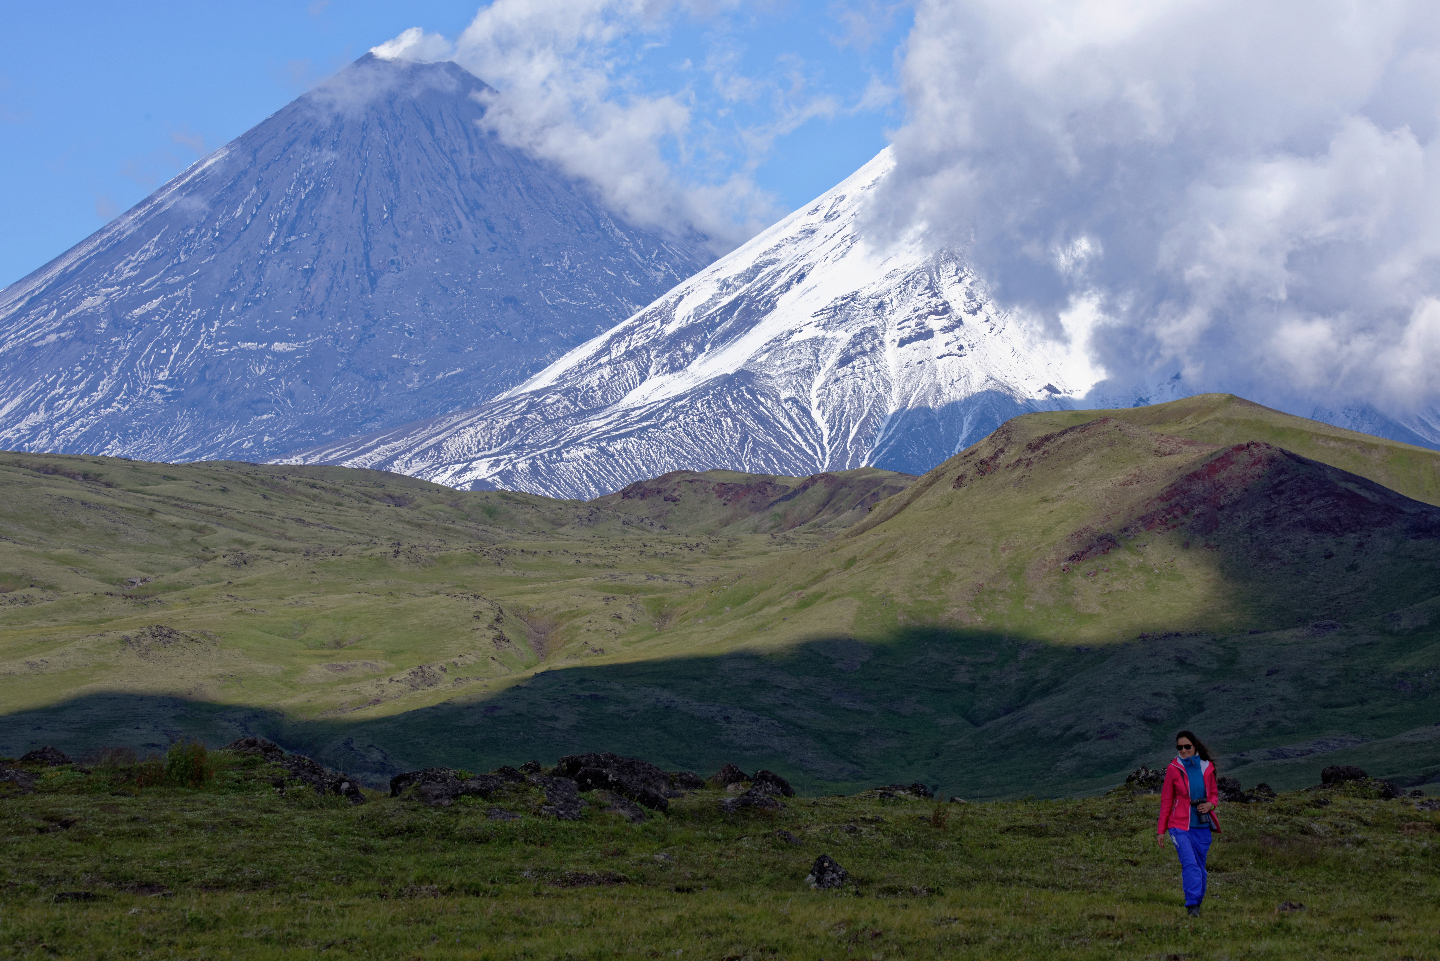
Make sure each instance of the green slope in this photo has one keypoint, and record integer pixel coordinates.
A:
(1037, 615)
(721, 501)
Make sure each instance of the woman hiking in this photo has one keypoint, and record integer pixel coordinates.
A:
(1187, 814)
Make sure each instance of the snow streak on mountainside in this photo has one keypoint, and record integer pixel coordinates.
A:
(367, 256)
(805, 350)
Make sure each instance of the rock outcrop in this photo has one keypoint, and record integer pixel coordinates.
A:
(300, 768)
(826, 873)
(640, 781)
(48, 756)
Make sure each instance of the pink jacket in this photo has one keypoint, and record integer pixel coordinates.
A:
(1175, 797)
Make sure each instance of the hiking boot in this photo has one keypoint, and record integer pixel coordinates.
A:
(1193, 910)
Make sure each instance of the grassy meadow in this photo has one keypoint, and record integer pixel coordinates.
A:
(97, 867)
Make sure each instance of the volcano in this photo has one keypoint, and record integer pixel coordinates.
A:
(368, 256)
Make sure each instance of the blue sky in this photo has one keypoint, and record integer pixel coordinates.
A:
(1248, 193)
(101, 103)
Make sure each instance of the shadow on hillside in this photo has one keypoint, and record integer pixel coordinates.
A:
(970, 713)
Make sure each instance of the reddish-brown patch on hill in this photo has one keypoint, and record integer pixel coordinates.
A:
(1264, 488)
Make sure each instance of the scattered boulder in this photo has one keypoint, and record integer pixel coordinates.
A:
(530, 767)
(623, 806)
(562, 797)
(728, 775)
(507, 773)
(1230, 790)
(954, 799)
(1143, 780)
(24, 780)
(915, 790)
(773, 783)
(269, 750)
(1387, 790)
(47, 756)
(1337, 774)
(321, 778)
(430, 775)
(438, 793)
(630, 777)
(1286, 907)
(1232, 793)
(686, 781)
(825, 873)
(441, 786)
(787, 837)
(764, 794)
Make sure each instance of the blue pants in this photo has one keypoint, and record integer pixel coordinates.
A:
(1192, 846)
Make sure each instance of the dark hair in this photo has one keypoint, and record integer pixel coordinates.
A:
(1201, 750)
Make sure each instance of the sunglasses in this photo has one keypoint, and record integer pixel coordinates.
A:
(1184, 747)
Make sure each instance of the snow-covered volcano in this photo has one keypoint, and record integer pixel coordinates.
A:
(807, 349)
(367, 256)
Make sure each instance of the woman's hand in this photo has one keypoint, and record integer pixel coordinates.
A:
(1205, 808)
(1160, 840)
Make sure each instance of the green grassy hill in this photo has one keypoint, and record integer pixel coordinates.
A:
(1037, 615)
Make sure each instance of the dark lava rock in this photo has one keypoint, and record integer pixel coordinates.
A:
(687, 781)
(825, 873)
(622, 806)
(440, 786)
(917, 790)
(269, 750)
(955, 799)
(1231, 791)
(728, 775)
(775, 784)
(430, 775)
(762, 794)
(562, 797)
(1288, 906)
(321, 778)
(48, 756)
(787, 837)
(1387, 790)
(529, 768)
(1337, 774)
(508, 773)
(438, 793)
(638, 780)
(1142, 780)
(24, 780)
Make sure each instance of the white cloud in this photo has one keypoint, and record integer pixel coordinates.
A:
(561, 70)
(415, 45)
(1248, 192)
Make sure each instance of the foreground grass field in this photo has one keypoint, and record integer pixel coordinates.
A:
(95, 867)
